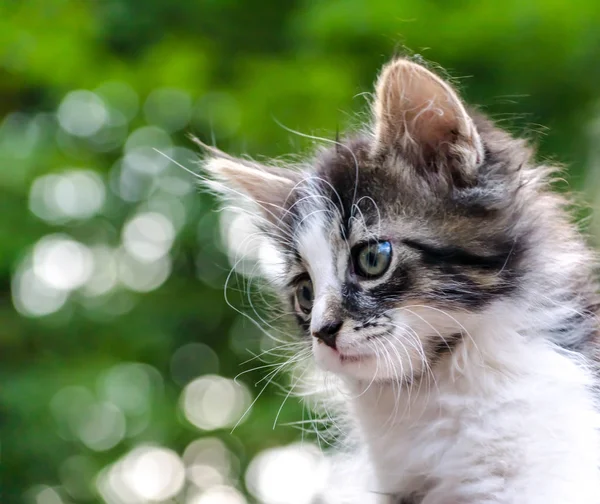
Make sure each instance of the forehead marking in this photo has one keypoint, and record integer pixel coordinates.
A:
(315, 247)
(316, 250)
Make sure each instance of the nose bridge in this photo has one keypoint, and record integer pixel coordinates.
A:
(317, 247)
(327, 307)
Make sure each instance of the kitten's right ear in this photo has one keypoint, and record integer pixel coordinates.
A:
(419, 116)
(244, 182)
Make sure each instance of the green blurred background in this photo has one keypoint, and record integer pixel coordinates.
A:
(117, 347)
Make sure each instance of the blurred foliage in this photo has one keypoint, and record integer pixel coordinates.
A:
(113, 310)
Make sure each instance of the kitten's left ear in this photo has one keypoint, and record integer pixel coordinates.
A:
(420, 117)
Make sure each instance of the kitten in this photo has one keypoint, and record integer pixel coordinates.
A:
(435, 273)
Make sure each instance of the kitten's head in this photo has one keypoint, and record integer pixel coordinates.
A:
(391, 244)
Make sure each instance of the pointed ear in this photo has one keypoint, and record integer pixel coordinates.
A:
(244, 183)
(420, 117)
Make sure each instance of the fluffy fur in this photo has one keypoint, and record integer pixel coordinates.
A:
(467, 370)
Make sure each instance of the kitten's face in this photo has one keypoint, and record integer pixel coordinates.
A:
(382, 278)
(391, 243)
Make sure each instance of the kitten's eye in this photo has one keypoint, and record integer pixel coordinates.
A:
(372, 259)
(304, 295)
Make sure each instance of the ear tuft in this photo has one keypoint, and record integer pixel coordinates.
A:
(419, 116)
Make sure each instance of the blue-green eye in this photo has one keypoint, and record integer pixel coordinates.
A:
(305, 295)
(371, 260)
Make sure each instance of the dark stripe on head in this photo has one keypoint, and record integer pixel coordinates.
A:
(434, 255)
(463, 291)
(348, 181)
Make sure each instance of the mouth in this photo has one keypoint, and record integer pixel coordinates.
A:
(351, 362)
(349, 358)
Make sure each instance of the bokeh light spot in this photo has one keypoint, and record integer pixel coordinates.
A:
(147, 473)
(77, 194)
(82, 113)
(104, 274)
(208, 463)
(148, 136)
(32, 296)
(141, 276)
(214, 402)
(128, 183)
(62, 262)
(102, 426)
(285, 475)
(218, 495)
(145, 161)
(169, 206)
(148, 236)
(43, 281)
(47, 495)
(174, 180)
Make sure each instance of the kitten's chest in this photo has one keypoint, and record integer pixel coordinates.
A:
(405, 447)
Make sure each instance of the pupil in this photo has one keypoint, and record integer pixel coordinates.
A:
(372, 259)
(306, 293)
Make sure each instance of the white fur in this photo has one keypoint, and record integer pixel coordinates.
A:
(508, 421)
(506, 418)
